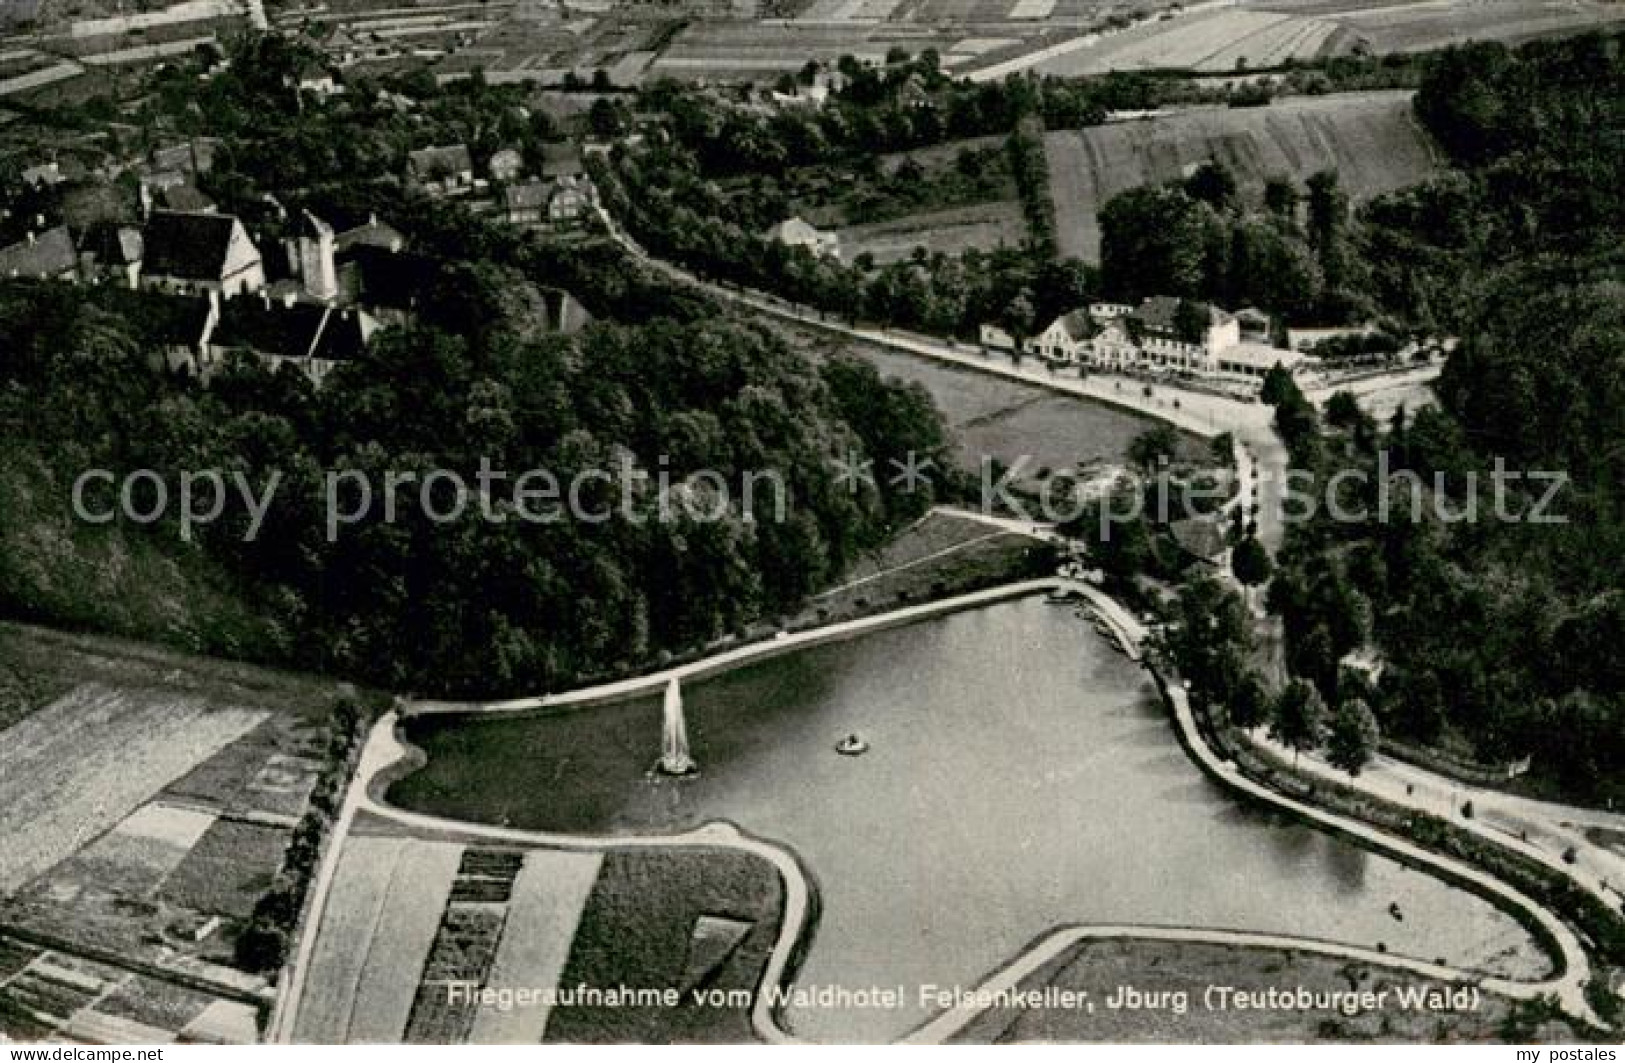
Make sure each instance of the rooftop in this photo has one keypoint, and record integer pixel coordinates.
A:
(187, 244)
(47, 254)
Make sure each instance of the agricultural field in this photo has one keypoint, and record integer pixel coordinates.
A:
(654, 919)
(48, 995)
(1382, 26)
(77, 767)
(382, 915)
(1211, 40)
(1371, 139)
(544, 909)
(512, 918)
(148, 801)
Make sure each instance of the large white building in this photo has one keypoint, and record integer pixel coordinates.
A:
(1160, 337)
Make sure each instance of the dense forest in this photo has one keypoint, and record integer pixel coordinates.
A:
(664, 384)
(1498, 638)
(475, 605)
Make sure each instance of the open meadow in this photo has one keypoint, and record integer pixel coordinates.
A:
(1003, 420)
(983, 226)
(1371, 139)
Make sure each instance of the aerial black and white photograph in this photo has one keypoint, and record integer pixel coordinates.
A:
(716, 522)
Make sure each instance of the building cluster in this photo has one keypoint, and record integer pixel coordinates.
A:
(208, 290)
(1162, 336)
(559, 198)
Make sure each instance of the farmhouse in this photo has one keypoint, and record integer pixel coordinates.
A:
(200, 252)
(562, 203)
(794, 232)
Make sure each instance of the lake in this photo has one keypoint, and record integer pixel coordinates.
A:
(1022, 775)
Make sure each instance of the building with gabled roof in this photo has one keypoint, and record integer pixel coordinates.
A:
(562, 158)
(796, 232)
(1156, 337)
(372, 233)
(49, 255)
(1066, 339)
(311, 338)
(190, 251)
(447, 170)
(557, 204)
(110, 250)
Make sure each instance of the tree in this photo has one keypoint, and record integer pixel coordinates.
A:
(1154, 447)
(1281, 200)
(1214, 184)
(1353, 737)
(1154, 240)
(1251, 562)
(261, 947)
(1249, 702)
(1191, 320)
(1300, 718)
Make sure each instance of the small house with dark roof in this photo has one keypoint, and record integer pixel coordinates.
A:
(184, 198)
(1206, 539)
(313, 339)
(110, 251)
(562, 159)
(446, 171)
(373, 233)
(190, 251)
(49, 255)
(173, 329)
(382, 279)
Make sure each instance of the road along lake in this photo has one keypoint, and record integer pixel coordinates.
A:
(1021, 774)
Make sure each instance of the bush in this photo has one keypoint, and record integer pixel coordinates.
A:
(261, 948)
